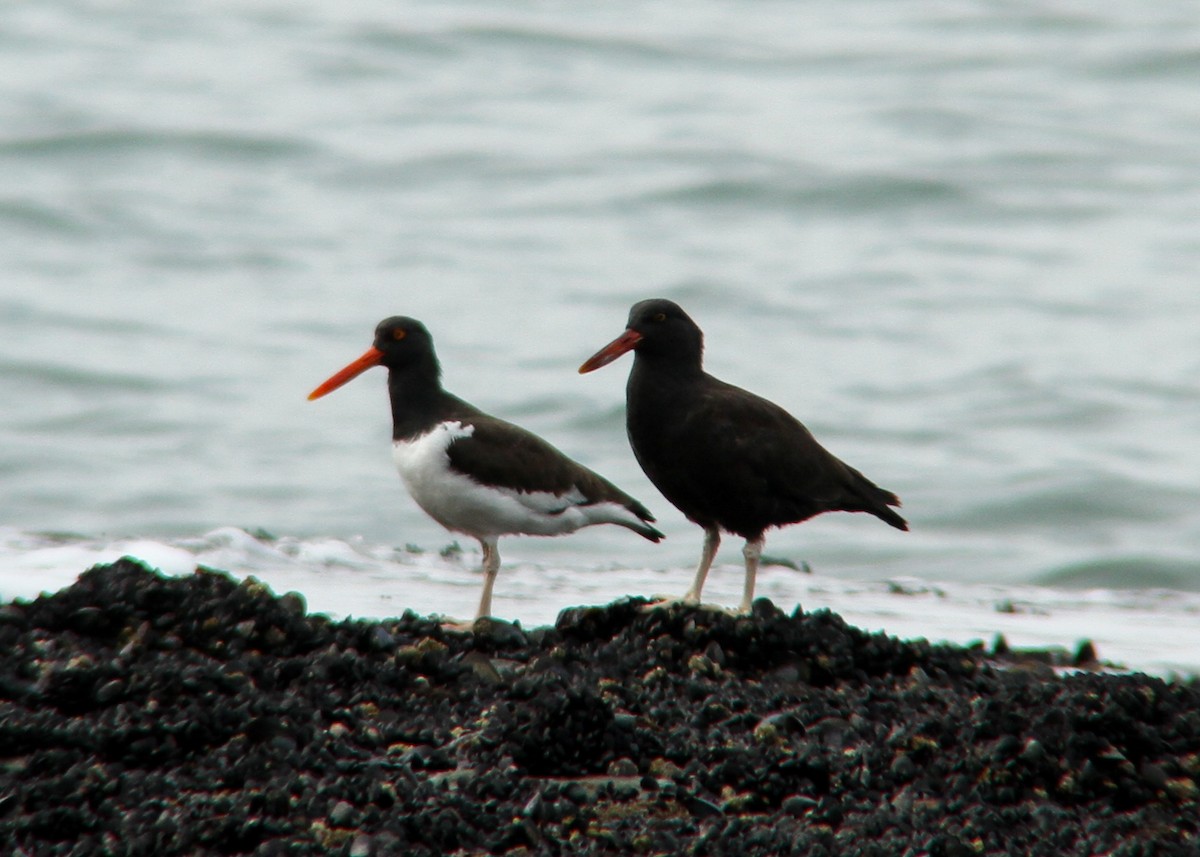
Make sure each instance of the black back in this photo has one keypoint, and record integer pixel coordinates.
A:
(723, 455)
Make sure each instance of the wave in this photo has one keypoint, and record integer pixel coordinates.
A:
(1125, 572)
(1149, 629)
(102, 141)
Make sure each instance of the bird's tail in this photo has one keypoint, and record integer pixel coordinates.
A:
(645, 519)
(877, 501)
(885, 514)
(621, 509)
(647, 531)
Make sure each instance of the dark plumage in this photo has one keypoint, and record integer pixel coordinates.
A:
(725, 457)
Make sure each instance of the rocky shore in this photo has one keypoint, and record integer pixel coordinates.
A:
(151, 715)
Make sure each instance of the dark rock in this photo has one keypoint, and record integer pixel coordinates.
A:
(342, 814)
(141, 714)
(497, 634)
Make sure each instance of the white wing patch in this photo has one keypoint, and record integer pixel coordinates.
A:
(546, 502)
(461, 504)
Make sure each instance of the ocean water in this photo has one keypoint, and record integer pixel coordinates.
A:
(957, 239)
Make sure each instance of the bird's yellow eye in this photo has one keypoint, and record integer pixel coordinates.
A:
(399, 333)
(660, 316)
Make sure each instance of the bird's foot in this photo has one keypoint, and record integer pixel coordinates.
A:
(661, 602)
(658, 602)
(487, 627)
(721, 608)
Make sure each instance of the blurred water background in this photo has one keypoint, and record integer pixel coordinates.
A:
(957, 239)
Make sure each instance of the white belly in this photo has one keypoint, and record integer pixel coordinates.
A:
(461, 504)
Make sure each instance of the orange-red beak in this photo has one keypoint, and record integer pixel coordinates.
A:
(625, 342)
(370, 358)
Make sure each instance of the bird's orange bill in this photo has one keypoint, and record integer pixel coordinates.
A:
(370, 358)
(625, 342)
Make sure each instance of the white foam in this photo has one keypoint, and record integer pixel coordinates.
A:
(1156, 631)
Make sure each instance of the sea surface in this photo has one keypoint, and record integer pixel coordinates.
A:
(957, 239)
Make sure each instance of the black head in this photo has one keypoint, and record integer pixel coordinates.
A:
(401, 344)
(658, 329)
(665, 328)
(402, 341)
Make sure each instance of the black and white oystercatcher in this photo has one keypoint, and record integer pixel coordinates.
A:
(474, 473)
(728, 459)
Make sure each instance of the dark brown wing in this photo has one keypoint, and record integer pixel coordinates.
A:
(506, 455)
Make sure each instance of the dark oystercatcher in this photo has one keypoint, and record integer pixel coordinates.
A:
(474, 473)
(728, 459)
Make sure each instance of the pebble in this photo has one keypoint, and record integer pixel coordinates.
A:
(341, 814)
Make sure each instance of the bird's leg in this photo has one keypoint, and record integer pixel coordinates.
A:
(751, 551)
(712, 540)
(491, 566)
